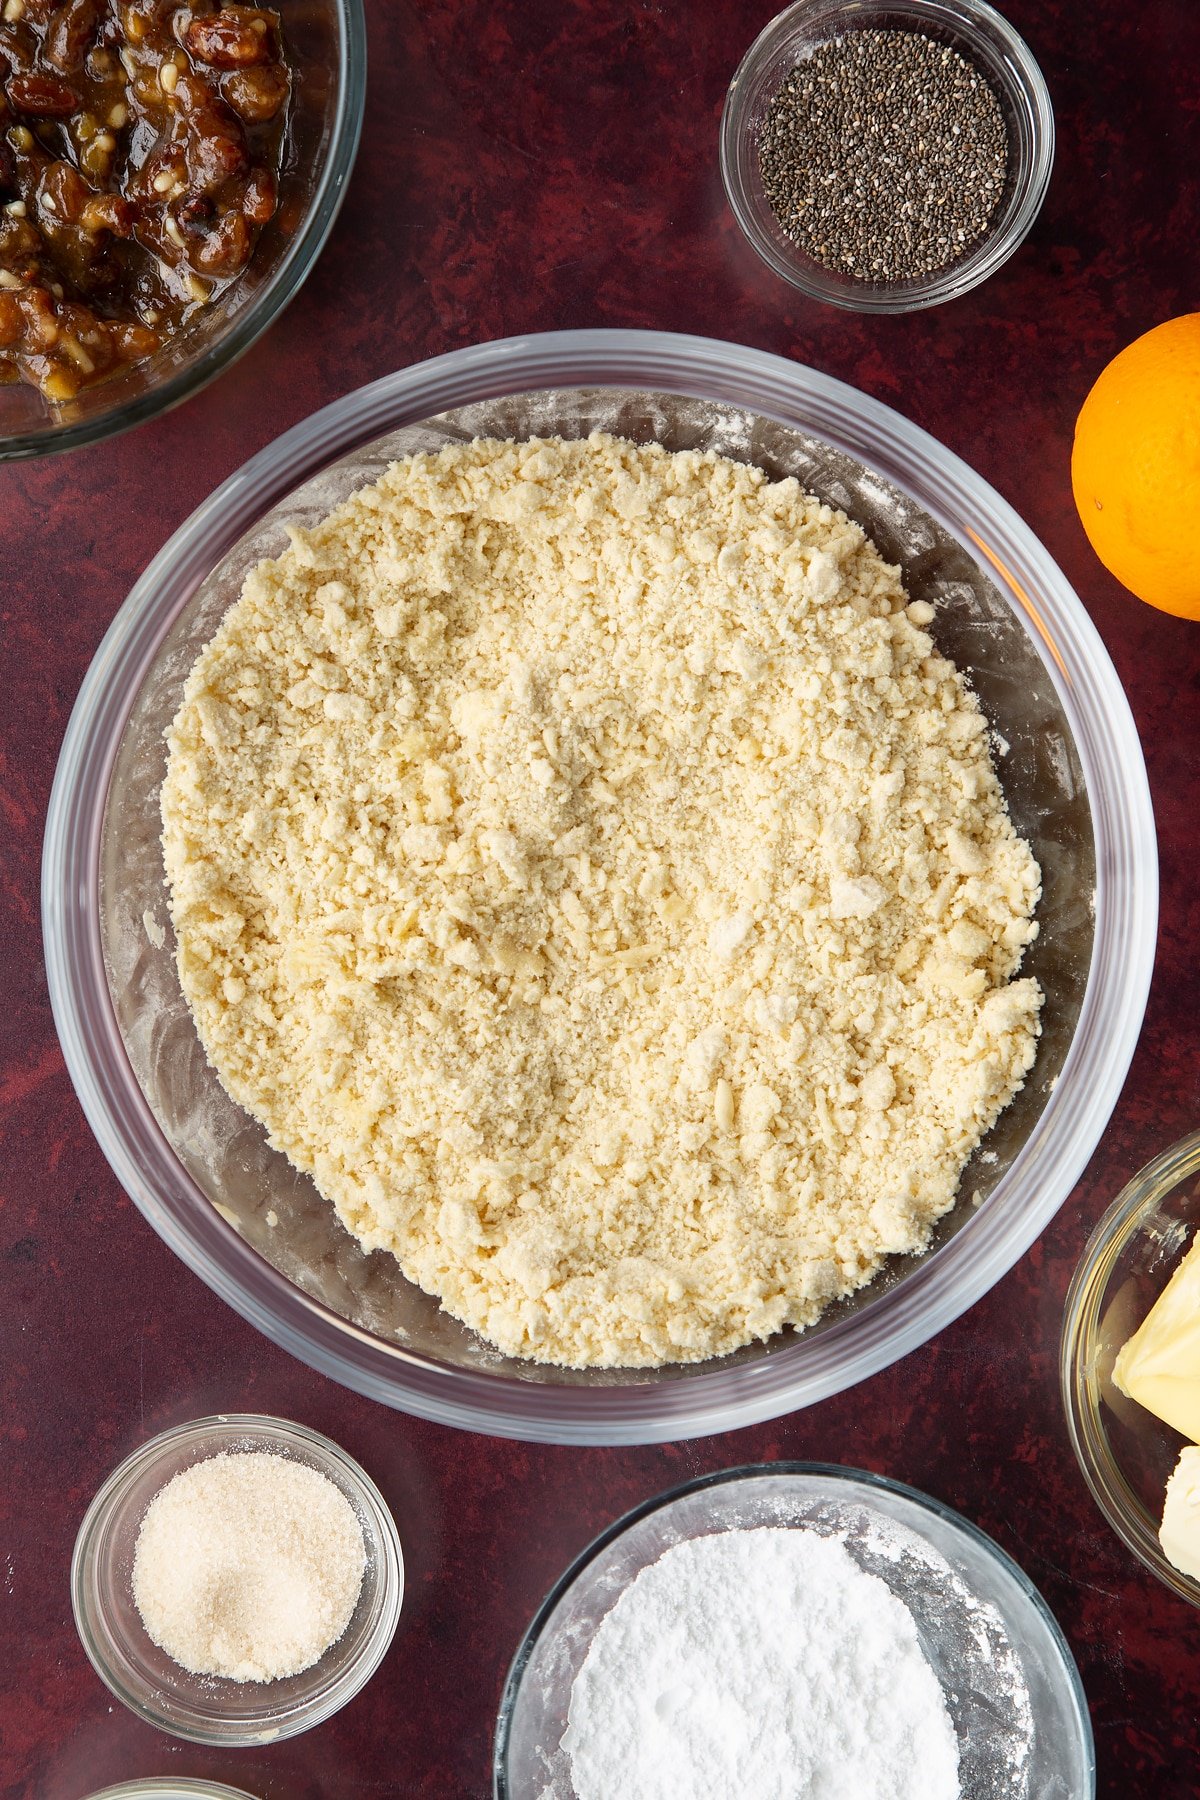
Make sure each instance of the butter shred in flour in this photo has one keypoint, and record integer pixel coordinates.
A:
(584, 864)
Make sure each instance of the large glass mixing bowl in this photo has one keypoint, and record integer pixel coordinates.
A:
(255, 1229)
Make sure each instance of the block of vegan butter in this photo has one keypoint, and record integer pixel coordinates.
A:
(1160, 1365)
(1180, 1534)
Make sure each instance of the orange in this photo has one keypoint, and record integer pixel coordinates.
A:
(1135, 466)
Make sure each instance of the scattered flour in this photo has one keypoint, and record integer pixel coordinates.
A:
(764, 1663)
(585, 866)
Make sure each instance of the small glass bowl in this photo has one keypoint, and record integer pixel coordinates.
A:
(1010, 1682)
(1126, 1454)
(208, 1709)
(327, 44)
(163, 1787)
(983, 37)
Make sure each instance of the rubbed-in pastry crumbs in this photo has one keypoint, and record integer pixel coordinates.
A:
(585, 865)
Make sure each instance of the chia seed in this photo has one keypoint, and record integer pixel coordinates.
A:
(884, 154)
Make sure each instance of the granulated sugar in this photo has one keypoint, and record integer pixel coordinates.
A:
(248, 1565)
(764, 1663)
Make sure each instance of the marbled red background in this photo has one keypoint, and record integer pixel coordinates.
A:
(528, 164)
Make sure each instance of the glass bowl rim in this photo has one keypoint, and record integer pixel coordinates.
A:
(389, 1578)
(992, 251)
(838, 1474)
(1063, 1137)
(278, 289)
(168, 1787)
(1118, 1224)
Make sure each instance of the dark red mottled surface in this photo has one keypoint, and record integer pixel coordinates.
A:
(528, 164)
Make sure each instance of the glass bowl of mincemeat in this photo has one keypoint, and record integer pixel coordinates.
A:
(253, 1226)
(887, 155)
(167, 180)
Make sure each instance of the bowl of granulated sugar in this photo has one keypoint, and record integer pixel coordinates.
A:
(800, 1629)
(237, 1579)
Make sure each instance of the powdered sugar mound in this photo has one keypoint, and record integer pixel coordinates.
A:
(764, 1663)
(991, 1701)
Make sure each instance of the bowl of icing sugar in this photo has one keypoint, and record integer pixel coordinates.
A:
(800, 1630)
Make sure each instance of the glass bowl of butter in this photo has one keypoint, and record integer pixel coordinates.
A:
(1130, 1366)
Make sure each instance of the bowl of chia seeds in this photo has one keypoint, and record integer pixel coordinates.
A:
(887, 155)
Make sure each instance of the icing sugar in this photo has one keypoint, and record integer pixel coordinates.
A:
(760, 1662)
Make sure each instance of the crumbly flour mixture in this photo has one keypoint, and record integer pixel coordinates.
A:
(583, 863)
(761, 1662)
